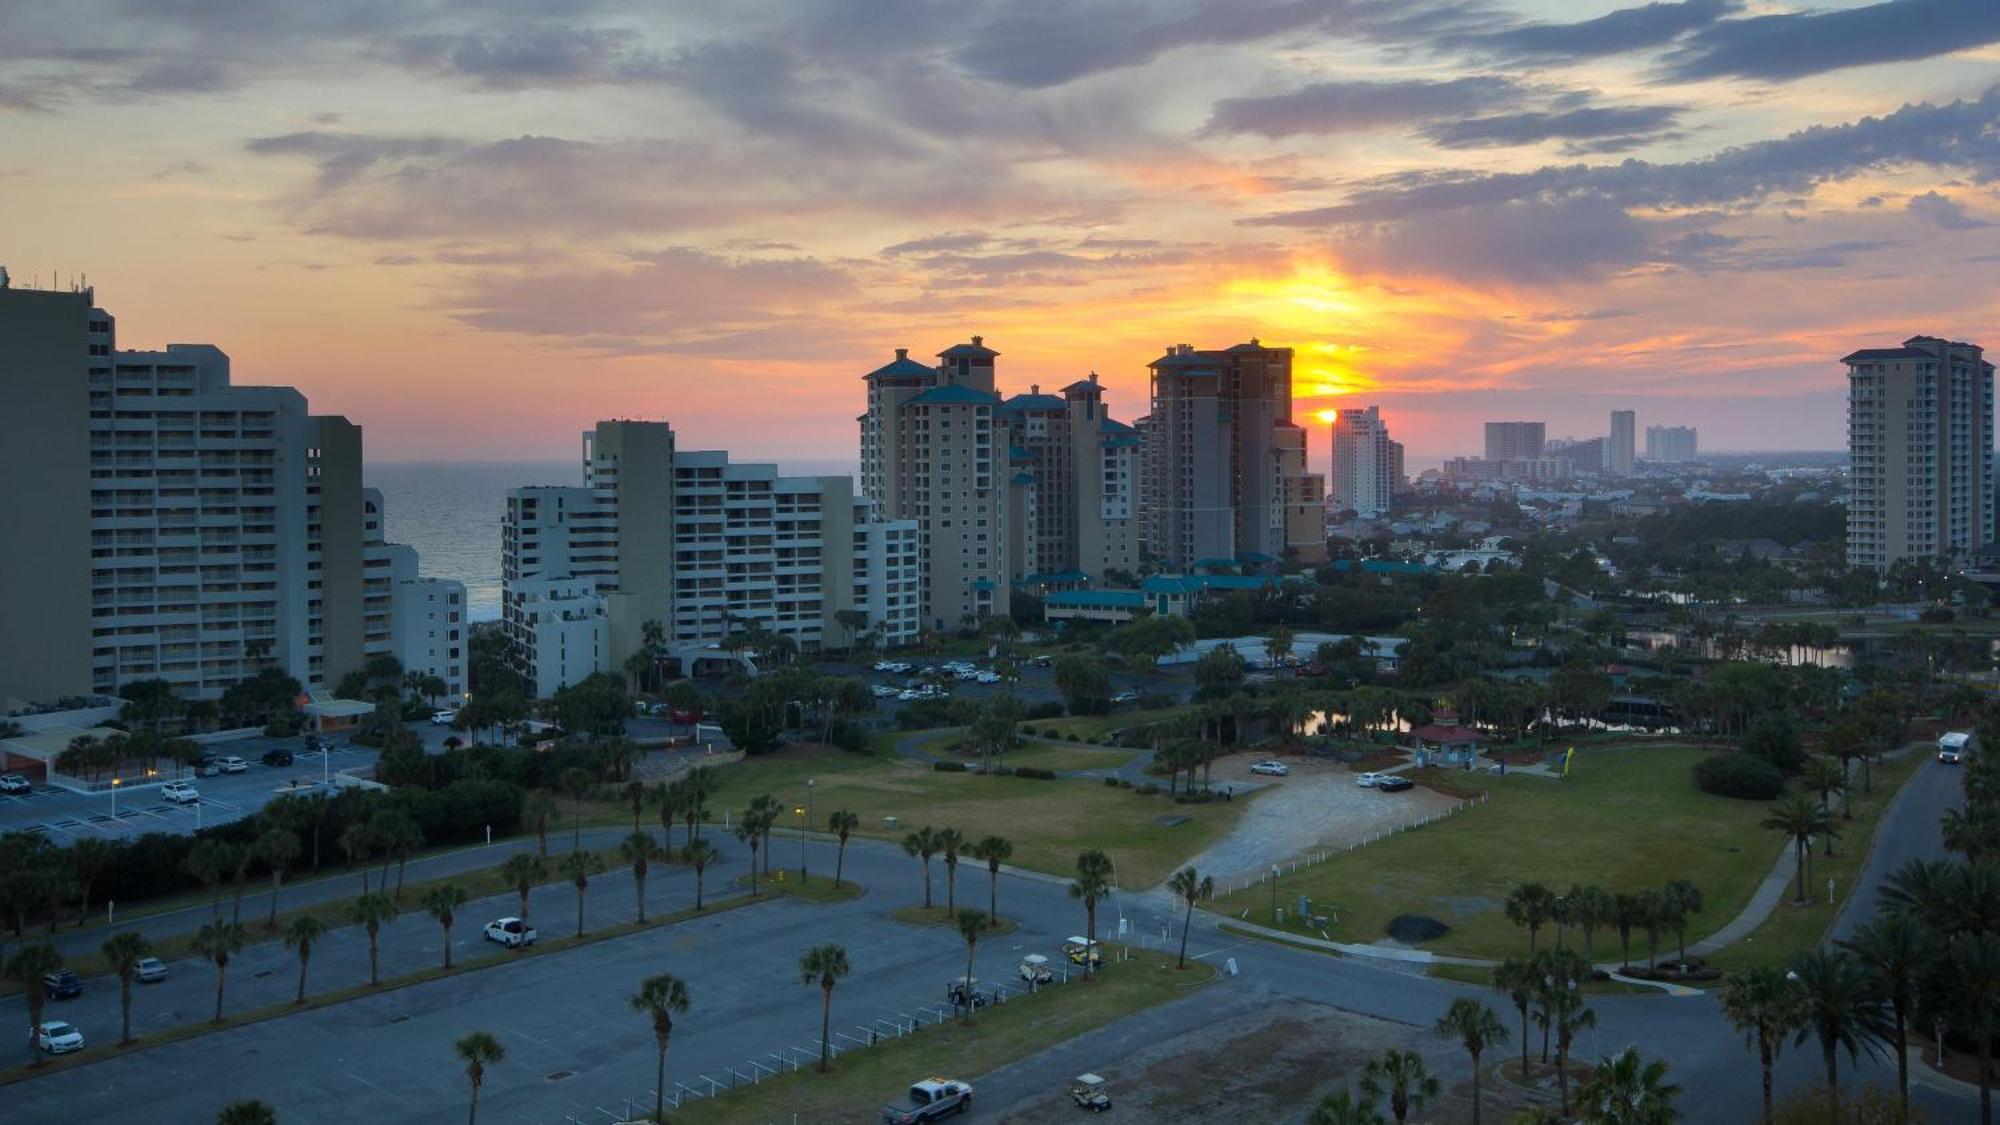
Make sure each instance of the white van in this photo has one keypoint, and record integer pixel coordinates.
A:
(1954, 746)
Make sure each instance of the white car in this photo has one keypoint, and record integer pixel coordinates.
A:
(1126, 697)
(988, 677)
(58, 1038)
(1275, 769)
(149, 969)
(1370, 780)
(180, 793)
(444, 718)
(882, 691)
(510, 932)
(233, 764)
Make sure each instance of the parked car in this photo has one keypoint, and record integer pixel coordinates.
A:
(233, 764)
(988, 677)
(1394, 784)
(208, 765)
(1273, 768)
(883, 691)
(1371, 780)
(180, 793)
(686, 716)
(58, 1038)
(149, 969)
(1043, 662)
(277, 756)
(929, 1100)
(444, 718)
(63, 984)
(14, 785)
(1126, 697)
(510, 932)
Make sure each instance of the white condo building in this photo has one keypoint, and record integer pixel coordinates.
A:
(1365, 463)
(1920, 443)
(1672, 444)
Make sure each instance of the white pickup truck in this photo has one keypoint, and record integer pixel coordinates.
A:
(929, 1100)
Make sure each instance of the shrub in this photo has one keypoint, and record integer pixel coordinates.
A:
(948, 767)
(1774, 737)
(1124, 784)
(1035, 773)
(1146, 790)
(1739, 775)
(1049, 710)
(1111, 783)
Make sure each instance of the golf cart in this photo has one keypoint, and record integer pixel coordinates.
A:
(1035, 970)
(1076, 947)
(964, 992)
(1087, 1091)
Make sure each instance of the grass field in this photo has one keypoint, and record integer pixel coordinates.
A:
(862, 1080)
(1036, 754)
(1048, 821)
(1624, 820)
(1096, 726)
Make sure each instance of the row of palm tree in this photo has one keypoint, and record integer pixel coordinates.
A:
(927, 843)
(1624, 1089)
(1547, 987)
(1590, 909)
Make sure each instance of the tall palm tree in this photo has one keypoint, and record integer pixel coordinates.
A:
(701, 785)
(1591, 909)
(478, 1050)
(122, 951)
(207, 861)
(278, 848)
(1518, 979)
(538, 811)
(370, 912)
(301, 935)
(1476, 1027)
(577, 782)
(1681, 898)
(216, 943)
(1092, 883)
(1567, 1015)
(1345, 1109)
(970, 924)
(1765, 1007)
(922, 844)
(750, 830)
(1403, 1079)
(357, 840)
(1840, 1008)
(1191, 888)
(1529, 905)
(842, 824)
(639, 848)
(1897, 951)
(1823, 777)
(1627, 911)
(1798, 818)
(764, 811)
(950, 841)
(699, 854)
(1974, 961)
(578, 867)
(995, 850)
(1625, 1090)
(1655, 914)
(661, 998)
(27, 967)
(443, 901)
(1973, 832)
(824, 965)
(247, 1112)
(523, 871)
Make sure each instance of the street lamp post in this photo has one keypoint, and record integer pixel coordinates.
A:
(115, 783)
(802, 829)
(1274, 894)
(800, 812)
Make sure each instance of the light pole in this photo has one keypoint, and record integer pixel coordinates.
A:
(800, 812)
(1274, 894)
(802, 829)
(115, 783)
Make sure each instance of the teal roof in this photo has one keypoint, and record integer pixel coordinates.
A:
(1096, 599)
(1382, 566)
(1023, 403)
(1168, 584)
(1083, 385)
(1055, 577)
(1213, 562)
(1192, 362)
(983, 584)
(955, 394)
(903, 367)
(1198, 583)
(1113, 426)
(1016, 453)
(1024, 478)
(976, 349)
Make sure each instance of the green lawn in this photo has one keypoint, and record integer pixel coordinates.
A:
(1096, 726)
(1624, 820)
(862, 1080)
(1049, 822)
(1036, 754)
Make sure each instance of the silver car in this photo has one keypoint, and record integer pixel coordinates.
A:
(58, 1038)
(149, 969)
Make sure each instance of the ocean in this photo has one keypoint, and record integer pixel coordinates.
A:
(450, 511)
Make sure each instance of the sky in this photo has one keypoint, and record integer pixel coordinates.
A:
(477, 229)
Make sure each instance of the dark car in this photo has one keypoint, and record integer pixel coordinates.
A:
(208, 765)
(63, 984)
(1394, 784)
(278, 757)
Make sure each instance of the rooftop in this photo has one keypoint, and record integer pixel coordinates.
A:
(955, 394)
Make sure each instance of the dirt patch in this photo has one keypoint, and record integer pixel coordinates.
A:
(1280, 1061)
(1316, 806)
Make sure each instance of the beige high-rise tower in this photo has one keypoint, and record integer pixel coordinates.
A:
(1920, 443)
(1075, 476)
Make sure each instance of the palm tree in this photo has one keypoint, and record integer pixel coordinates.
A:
(1402, 1077)
(304, 932)
(1798, 818)
(217, 942)
(762, 813)
(207, 862)
(1191, 888)
(578, 867)
(661, 998)
(995, 850)
(1519, 979)
(1823, 777)
(824, 965)
(1092, 883)
(122, 952)
(1681, 898)
(277, 847)
(638, 848)
(524, 871)
(1974, 966)
(1627, 1091)
(538, 809)
(1529, 905)
(478, 1050)
(247, 1112)
(1563, 1002)
(1897, 951)
(970, 923)
(1839, 1008)
(27, 967)
(699, 854)
(370, 912)
(1344, 1109)
(443, 901)
(1655, 912)
(1476, 1027)
(841, 823)
(357, 840)
(1591, 909)
(1765, 1007)
(1627, 911)
(950, 841)
(1973, 832)
(922, 844)
(750, 830)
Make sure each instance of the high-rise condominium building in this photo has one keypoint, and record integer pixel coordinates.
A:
(1920, 443)
(1073, 479)
(1365, 463)
(416, 619)
(698, 546)
(179, 526)
(1672, 444)
(1515, 441)
(1619, 450)
(933, 450)
(1225, 468)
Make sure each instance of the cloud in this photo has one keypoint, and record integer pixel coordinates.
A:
(526, 56)
(1795, 44)
(962, 240)
(1035, 44)
(1627, 29)
(1342, 107)
(1533, 242)
(1942, 212)
(1570, 317)
(1602, 128)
